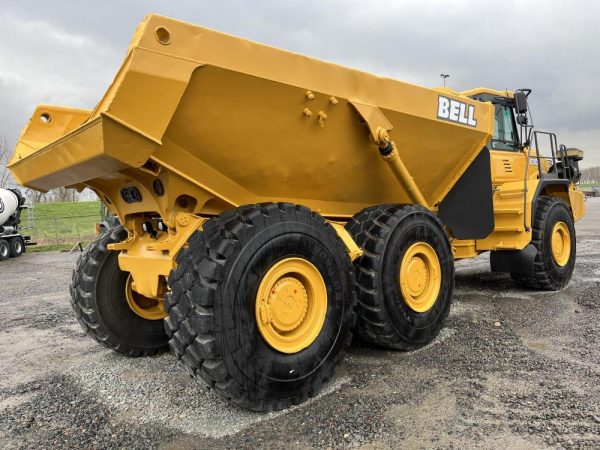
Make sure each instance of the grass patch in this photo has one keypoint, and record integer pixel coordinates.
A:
(58, 226)
(53, 248)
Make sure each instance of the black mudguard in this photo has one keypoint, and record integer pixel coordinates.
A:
(468, 209)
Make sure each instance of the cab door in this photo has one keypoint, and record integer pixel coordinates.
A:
(508, 162)
(508, 182)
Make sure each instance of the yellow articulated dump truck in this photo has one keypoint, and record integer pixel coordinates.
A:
(272, 205)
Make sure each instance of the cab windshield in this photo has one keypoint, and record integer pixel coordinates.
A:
(505, 136)
(505, 130)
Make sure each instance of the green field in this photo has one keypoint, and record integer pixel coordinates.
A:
(57, 226)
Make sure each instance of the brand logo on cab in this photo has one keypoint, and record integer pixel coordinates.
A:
(455, 111)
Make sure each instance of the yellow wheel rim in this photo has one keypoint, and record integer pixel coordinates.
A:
(561, 243)
(291, 304)
(146, 308)
(420, 277)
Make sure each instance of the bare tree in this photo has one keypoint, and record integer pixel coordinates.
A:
(590, 175)
(35, 196)
(66, 195)
(5, 153)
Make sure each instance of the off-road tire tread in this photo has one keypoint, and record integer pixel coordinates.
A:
(369, 227)
(540, 280)
(190, 323)
(81, 289)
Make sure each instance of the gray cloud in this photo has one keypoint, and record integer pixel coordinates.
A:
(67, 52)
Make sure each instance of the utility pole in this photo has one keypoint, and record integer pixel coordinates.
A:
(444, 76)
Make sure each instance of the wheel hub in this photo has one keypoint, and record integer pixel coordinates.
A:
(291, 305)
(145, 307)
(287, 304)
(560, 242)
(420, 277)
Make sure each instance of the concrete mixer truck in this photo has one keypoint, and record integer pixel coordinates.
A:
(12, 242)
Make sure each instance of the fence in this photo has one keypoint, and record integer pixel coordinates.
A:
(61, 225)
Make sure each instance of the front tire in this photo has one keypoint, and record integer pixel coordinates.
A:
(234, 321)
(553, 236)
(99, 299)
(405, 278)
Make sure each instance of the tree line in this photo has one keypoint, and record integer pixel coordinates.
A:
(590, 175)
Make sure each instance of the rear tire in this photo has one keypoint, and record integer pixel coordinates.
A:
(387, 317)
(17, 247)
(4, 250)
(213, 323)
(548, 273)
(99, 301)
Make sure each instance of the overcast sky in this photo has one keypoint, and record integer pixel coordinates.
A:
(67, 52)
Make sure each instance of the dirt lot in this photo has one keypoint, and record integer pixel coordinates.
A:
(512, 368)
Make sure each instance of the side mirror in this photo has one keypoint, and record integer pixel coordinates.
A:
(522, 119)
(520, 102)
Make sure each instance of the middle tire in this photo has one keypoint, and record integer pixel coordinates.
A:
(262, 305)
(405, 278)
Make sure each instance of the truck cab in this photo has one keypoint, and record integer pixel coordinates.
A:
(525, 165)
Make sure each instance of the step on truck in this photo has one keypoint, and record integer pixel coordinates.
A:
(273, 205)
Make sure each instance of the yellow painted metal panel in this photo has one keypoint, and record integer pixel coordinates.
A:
(241, 111)
(577, 201)
(47, 124)
(219, 121)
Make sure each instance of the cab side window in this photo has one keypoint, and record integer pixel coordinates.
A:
(505, 130)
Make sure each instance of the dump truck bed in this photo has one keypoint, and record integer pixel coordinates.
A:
(245, 122)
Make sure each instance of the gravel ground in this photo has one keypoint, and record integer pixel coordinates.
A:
(512, 368)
